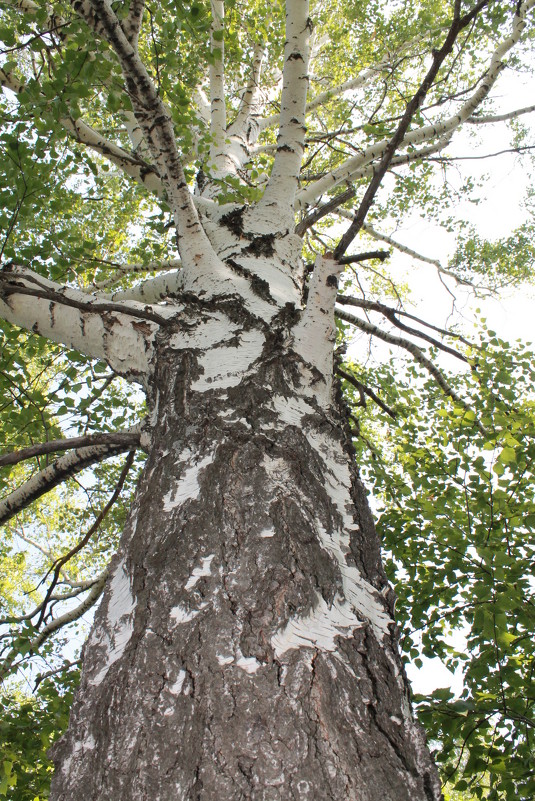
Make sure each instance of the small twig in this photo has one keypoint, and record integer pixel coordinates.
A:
(363, 389)
(56, 567)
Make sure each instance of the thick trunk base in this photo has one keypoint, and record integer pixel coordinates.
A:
(245, 647)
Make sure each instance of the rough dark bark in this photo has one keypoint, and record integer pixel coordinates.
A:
(194, 686)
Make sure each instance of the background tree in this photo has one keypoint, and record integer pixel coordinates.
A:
(247, 579)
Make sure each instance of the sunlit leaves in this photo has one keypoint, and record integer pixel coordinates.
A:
(458, 519)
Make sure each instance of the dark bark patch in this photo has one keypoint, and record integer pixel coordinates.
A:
(259, 285)
(233, 220)
(262, 246)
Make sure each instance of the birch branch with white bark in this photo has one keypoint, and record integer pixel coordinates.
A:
(59, 471)
(126, 438)
(132, 269)
(362, 166)
(249, 106)
(130, 164)
(315, 334)
(153, 289)
(218, 106)
(156, 123)
(283, 181)
(352, 84)
(484, 119)
(439, 129)
(121, 333)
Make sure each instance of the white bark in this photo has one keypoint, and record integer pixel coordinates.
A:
(121, 333)
(131, 269)
(219, 162)
(249, 105)
(483, 119)
(282, 184)
(315, 334)
(153, 290)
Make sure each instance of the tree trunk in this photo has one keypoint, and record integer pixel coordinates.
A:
(245, 647)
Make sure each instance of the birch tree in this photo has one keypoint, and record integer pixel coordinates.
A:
(213, 169)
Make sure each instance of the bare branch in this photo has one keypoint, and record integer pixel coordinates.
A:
(407, 345)
(59, 563)
(373, 306)
(404, 249)
(363, 389)
(392, 316)
(63, 468)
(125, 438)
(325, 209)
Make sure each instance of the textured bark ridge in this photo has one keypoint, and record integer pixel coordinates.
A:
(244, 648)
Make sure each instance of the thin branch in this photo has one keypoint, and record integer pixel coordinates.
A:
(439, 56)
(391, 315)
(324, 209)
(409, 251)
(364, 389)
(518, 150)
(59, 563)
(58, 623)
(413, 349)
(483, 119)
(49, 673)
(381, 255)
